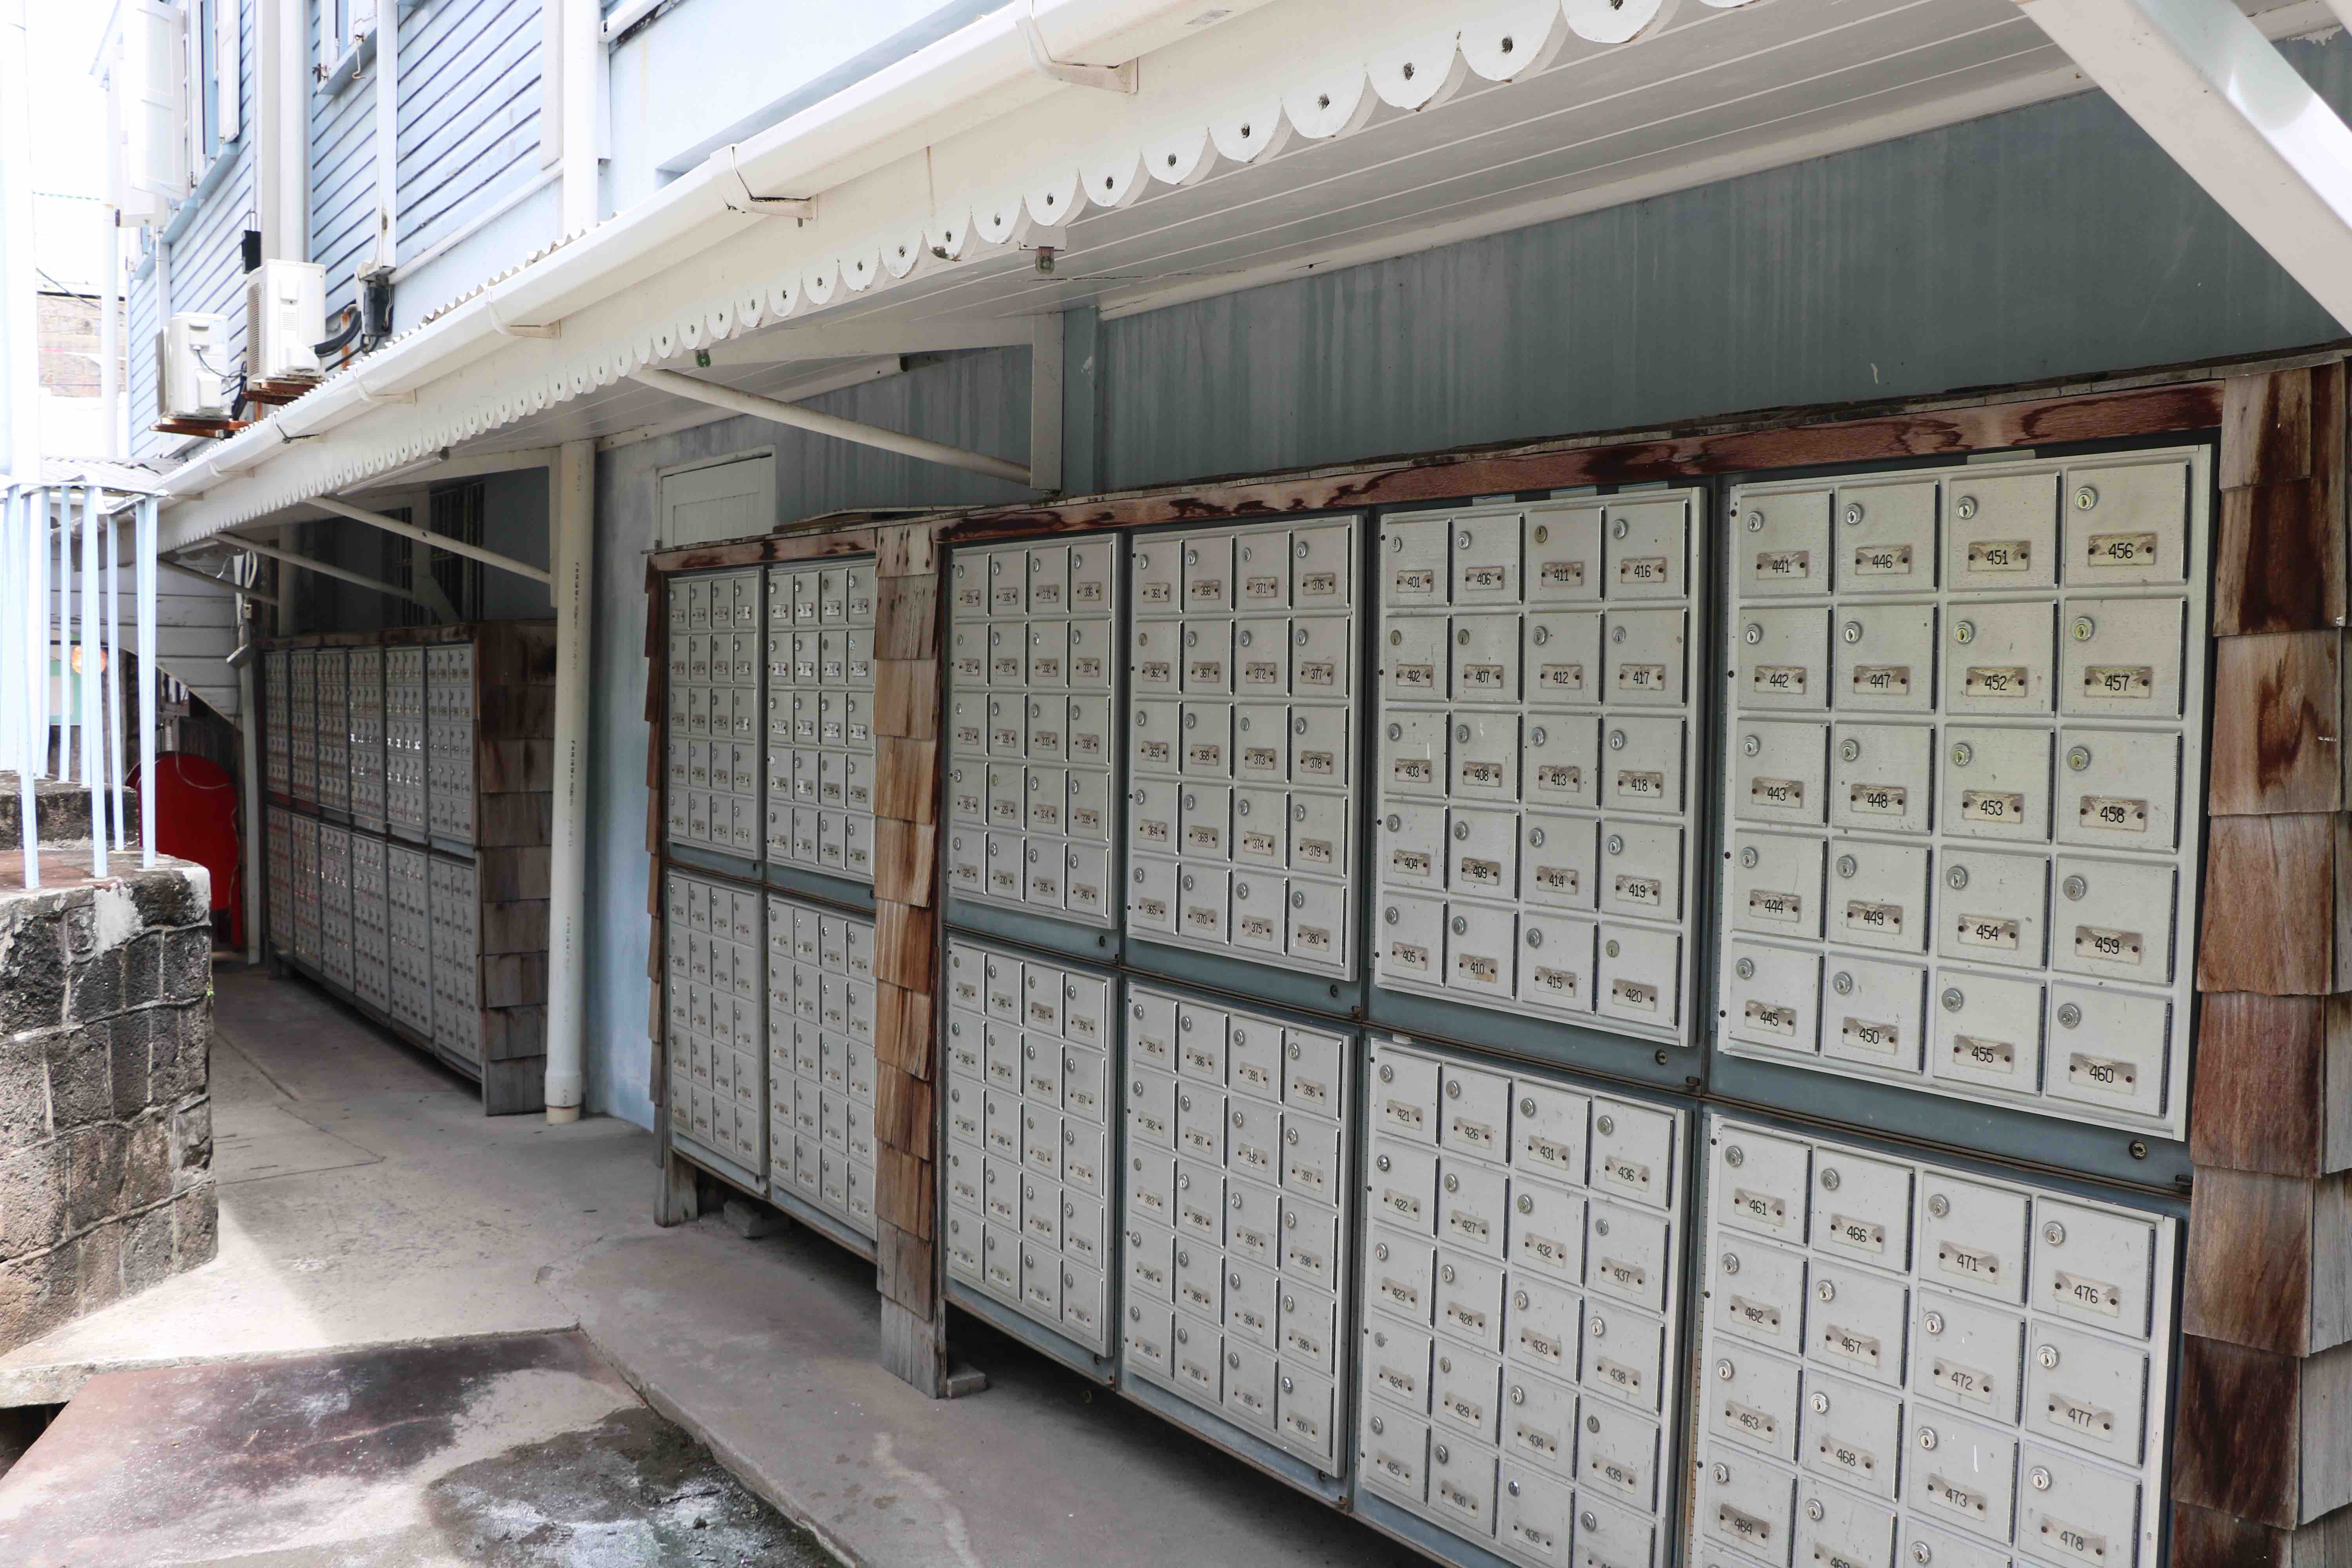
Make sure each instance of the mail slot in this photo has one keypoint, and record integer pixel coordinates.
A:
(1151, 1175)
(1771, 997)
(1550, 1130)
(1632, 1154)
(967, 587)
(1640, 868)
(1562, 554)
(2075, 1511)
(1413, 846)
(1759, 1182)
(1643, 660)
(1049, 653)
(1560, 760)
(1873, 1014)
(1206, 749)
(1862, 1208)
(2000, 531)
(1782, 659)
(1988, 1031)
(2119, 789)
(2127, 523)
(1251, 1302)
(1412, 942)
(1778, 769)
(1205, 822)
(1996, 783)
(1966, 1355)
(2113, 918)
(1885, 659)
(2093, 1265)
(1837, 1529)
(1309, 1325)
(1048, 727)
(1310, 1157)
(1972, 1238)
(2109, 1047)
(1751, 1398)
(1646, 549)
(1415, 658)
(1413, 760)
(1993, 908)
(968, 791)
(1776, 885)
(1152, 822)
(1396, 1363)
(1546, 1230)
(1261, 569)
(1561, 658)
(1855, 1322)
(1320, 753)
(1556, 962)
(1949, 1551)
(1208, 573)
(2088, 1392)
(1000, 1191)
(1480, 948)
(1962, 1475)
(1759, 1292)
(1089, 648)
(1782, 540)
(1999, 659)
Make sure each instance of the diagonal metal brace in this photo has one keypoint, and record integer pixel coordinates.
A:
(1107, 79)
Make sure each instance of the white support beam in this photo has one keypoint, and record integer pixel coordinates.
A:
(417, 531)
(2215, 94)
(238, 541)
(1045, 403)
(797, 391)
(809, 420)
(257, 596)
(571, 541)
(778, 345)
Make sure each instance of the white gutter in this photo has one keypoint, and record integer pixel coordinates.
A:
(976, 74)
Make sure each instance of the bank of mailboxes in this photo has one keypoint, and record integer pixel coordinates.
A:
(280, 873)
(1520, 1346)
(333, 720)
(302, 711)
(1909, 1363)
(1535, 850)
(278, 732)
(371, 933)
(770, 739)
(1239, 1216)
(1032, 732)
(1963, 741)
(820, 1046)
(404, 742)
(335, 903)
(366, 755)
(715, 954)
(449, 713)
(1241, 746)
(818, 653)
(453, 898)
(1028, 1071)
(408, 927)
(303, 866)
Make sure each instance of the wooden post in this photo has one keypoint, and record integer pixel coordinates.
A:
(908, 682)
(2263, 1454)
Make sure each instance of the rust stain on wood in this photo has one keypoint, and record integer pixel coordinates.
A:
(2237, 1431)
(2249, 1272)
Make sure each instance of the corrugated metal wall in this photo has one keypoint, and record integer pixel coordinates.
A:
(469, 99)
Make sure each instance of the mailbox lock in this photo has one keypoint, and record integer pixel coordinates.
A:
(1921, 1553)
(1462, 637)
(2078, 757)
(1437, 1452)
(1617, 634)
(1933, 1322)
(1745, 969)
(1749, 857)
(1461, 539)
(1461, 831)
(1298, 900)
(1842, 982)
(1965, 508)
(1616, 739)
(1453, 1183)
(1755, 522)
(1597, 1328)
(1723, 1370)
(1526, 1204)
(1294, 1051)
(2085, 628)
(1600, 1227)
(1461, 926)
(1850, 750)
(1387, 1073)
(1605, 1124)
(2047, 1356)
(1381, 1251)
(1751, 745)
(2054, 1234)
(1536, 736)
(1938, 1205)
(1847, 866)
(1964, 631)
(1383, 1162)
(2085, 498)
(1378, 1426)
(1830, 1179)
(2074, 888)
(1852, 513)
(1396, 731)
(1957, 877)
(1396, 639)
(1535, 838)
(1954, 999)
(1851, 631)
(1389, 917)
(1730, 1263)
(1622, 528)
(1927, 1438)
(1735, 1156)
(1616, 844)
(1540, 636)
(1813, 1509)
(1535, 936)
(1752, 634)
(1722, 1475)
(1826, 1290)
(1518, 1394)
(2041, 1479)
(1963, 754)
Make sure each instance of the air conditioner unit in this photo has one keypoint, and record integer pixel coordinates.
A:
(285, 318)
(192, 367)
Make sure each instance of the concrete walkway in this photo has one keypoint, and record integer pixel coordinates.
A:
(366, 1202)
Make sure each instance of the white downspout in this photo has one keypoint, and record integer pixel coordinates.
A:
(571, 551)
(387, 137)
(582, 74)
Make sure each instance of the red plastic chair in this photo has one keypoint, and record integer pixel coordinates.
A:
(196, 819)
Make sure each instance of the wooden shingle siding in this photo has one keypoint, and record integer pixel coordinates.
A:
(469, 101)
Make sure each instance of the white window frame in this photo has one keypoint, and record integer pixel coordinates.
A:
(345, 28)
(214, 31)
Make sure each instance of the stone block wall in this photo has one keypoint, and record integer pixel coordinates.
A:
(106, 1182)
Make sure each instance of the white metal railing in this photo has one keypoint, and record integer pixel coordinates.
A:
(61, 656)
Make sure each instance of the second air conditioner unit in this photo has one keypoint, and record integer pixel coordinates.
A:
(285, 318)
(192, 367)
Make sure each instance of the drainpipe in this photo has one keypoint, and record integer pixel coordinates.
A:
(571, 551)
(583, 75)
(387, 137)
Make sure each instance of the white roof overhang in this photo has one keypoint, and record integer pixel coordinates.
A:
(1288, 137)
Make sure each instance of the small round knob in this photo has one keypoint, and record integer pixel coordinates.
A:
(1722, 1475)
(1922, 1553)
(1616, 844)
